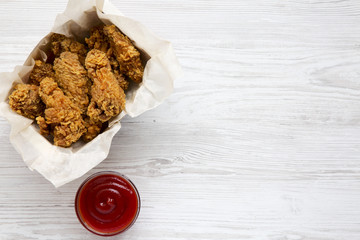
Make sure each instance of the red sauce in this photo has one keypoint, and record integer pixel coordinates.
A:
(107, 203)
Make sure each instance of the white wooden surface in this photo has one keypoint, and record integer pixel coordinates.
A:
(261, 139)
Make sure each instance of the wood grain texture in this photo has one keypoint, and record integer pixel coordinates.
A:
(260, 140)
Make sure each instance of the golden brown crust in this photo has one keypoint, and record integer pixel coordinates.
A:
(62, 113)
(108, 98)
(92, 129)
(25, 100)
(60, 43)
(72, 78)
(70, 102)
(124, 84)
(126, 54)
(40, 71)
(44, 127)
(97, 39)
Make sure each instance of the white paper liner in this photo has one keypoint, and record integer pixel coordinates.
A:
(62, 165)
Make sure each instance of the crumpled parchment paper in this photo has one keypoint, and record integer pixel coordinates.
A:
(62, 165)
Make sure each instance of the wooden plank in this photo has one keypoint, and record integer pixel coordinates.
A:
(260, 139)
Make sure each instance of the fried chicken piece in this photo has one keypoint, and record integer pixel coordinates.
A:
(97, 40)
(92, 129)
(72, 78)
(121, 79)
(44, 127)
(40, 71)
(61, 113)
(108, 98)
(25, 100)
(60, 43)
(126, 54)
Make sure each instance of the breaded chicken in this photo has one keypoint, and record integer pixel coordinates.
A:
(61, 113)
(81, 87)
(44, 127)
(40, 71)
(98, 40)
(124, 84)
(72, 78)
(25, 100)
(60, 43)
(108, 98)
(92, 129)
(126, 54)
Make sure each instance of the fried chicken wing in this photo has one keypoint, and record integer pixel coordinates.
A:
(25, 100)
(60, 43)
(126, 54)
(72, 78)
(108, 98)
(40, 71)
(98, 40)
(61, 113)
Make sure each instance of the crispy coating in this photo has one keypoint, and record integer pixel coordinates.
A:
(124, 84)
(72, 78)
(60, 43)
(97, 40)
(25, 100)
(69, 101)
(113, 62)
(61, 113)
(108, 98)
(40, 71)
(92, 129)
(44, 127)
(126, 54)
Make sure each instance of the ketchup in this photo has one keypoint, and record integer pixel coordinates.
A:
(107, 203)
